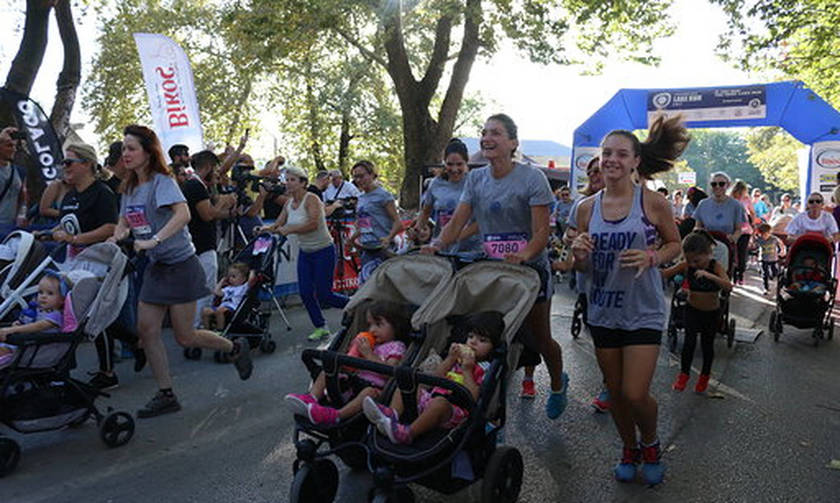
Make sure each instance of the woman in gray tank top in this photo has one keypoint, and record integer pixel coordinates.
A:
(616, 247)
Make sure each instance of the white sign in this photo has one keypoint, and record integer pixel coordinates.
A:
(687, 178)
(824, 166)
(169, 84)
(708, 104)
(577, 172)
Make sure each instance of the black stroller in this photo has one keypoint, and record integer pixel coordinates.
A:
(724, 252)
(36, 390)
(249, 320)
(806, 289)
(411, 280)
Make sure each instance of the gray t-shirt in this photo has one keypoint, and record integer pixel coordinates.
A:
(502, 207)
(148, 208)
(372, 218)
(9, 204)
(443, 196)
(726, 216)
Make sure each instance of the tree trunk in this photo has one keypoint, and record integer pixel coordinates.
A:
(344, 142)
(237, 115)
(314, 125)
(71, 73)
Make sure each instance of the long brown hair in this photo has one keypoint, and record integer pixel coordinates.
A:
(151, 145)
(666, 141)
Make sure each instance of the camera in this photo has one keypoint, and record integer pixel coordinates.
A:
(18, 135)
(241, 174)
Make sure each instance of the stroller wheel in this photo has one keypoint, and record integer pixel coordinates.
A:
(730, 335)
(502, 477)
(268, 346)
(315, 482)
(116, 429)
(9, 455)
(192, 353)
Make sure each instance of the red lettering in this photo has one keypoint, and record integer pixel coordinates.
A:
(172, 86)
(179, 120)
(172, 99)
(165, 75)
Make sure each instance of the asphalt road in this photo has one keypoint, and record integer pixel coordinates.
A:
(766, 430)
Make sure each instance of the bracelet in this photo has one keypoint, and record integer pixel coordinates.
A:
(653, 259)
(156, 239)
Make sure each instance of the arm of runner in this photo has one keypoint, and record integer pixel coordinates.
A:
(582, 244)
(450, 231)
(180, 218)
(396, 227)
(539, 236)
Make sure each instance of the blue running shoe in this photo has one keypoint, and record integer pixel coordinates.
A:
(653, 469)
(557, 400)
(625, 470)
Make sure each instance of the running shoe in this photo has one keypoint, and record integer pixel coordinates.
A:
(318, 334)
(103, 381)
(557, 400)
(387, 425)
(298, 402)
(702, 383)
(320, 414)
(625, 470)
(653, 469)
(680, 382)
(601, 403)
(241, 356)
(370, 403)
(528, 389)
(161, 403)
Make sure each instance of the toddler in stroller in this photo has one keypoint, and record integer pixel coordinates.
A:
(808, 277)
(389, 328)
(465, 364)
(232, 289)
(47, 318)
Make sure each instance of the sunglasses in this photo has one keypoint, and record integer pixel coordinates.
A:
(718, 184)
(68, 161)
(815, 201)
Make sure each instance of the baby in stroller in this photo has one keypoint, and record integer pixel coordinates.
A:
(232, 289)
(465, 364)
(808, 277)
(47, 317)
(389, 326)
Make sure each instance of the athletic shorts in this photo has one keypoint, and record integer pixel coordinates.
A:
(617, 338)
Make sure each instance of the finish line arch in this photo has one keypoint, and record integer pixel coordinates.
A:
(789, 105)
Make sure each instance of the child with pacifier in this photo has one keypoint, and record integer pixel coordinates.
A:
(706, 278)
(47, 318)
(465, 364)
(232, 289)
(383, 342)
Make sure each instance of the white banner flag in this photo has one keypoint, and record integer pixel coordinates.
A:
(169, 84)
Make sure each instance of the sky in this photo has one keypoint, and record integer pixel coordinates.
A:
(547, 102)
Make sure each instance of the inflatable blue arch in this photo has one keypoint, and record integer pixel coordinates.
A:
(789, 105)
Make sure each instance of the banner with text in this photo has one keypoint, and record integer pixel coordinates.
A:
(41, 139)
(730, 103)
(169, 84)
(577, 172)
(824, 168)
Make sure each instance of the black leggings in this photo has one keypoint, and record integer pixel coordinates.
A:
(704, 323)
(768, 271)
(741, 265)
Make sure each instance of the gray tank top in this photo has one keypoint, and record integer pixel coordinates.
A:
(313, 240)
(616, 298)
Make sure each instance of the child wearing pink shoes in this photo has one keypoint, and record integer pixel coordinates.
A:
(389, 326)
(706, 278)
(465, 364)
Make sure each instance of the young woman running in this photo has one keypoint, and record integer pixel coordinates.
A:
(617, 233)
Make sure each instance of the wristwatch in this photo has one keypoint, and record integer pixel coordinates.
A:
(156, 239)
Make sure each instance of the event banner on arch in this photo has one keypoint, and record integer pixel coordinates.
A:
(824, 167)
(709, 104)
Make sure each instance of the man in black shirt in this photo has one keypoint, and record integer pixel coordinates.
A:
(116, 167)
(204, 212)
(319, 184)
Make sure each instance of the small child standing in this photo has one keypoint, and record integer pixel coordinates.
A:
(769, 247)
(465, 364)
(232, 289)
(706, 278)
(48, 315)
(389, 326)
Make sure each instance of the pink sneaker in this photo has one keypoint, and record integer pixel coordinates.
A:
(299, 402)
(319, 414)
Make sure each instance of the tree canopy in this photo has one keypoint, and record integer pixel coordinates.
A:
(774, 153)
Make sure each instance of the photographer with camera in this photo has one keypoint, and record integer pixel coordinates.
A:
(303, 215)
(204, 212)
(12, 188)
(319, 184)
(246, 210)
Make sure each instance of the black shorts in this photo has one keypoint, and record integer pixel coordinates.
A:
(617, 338)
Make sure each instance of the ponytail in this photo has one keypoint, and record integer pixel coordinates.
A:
(666, 141)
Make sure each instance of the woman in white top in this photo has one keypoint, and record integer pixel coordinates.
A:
(303, 215)
(814, 220)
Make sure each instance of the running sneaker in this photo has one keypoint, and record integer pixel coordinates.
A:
(370, 403)
(299, 402)
(241, 356)
(557, 400)
(653, 469)
(320, 414)
(601, 403)
(162, 403)
(397, 433)
(528, 389)
(318, 334)
(702, 383)
(103, 381)
(625, 470)
(680, 382)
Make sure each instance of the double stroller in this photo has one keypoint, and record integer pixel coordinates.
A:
(249, 320)
(37, 392)
(806, 288)
(724, 252)
(445, 460)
